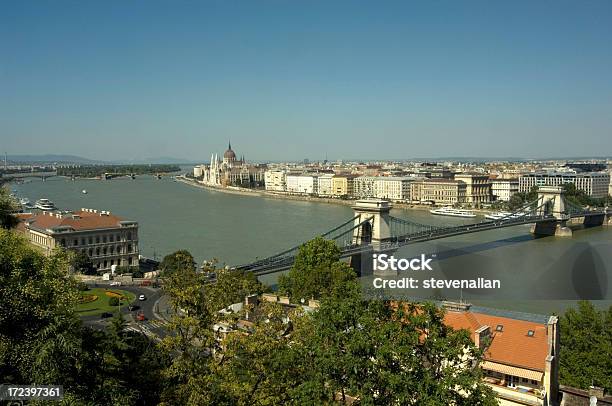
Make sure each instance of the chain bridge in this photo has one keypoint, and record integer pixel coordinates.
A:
(373, 229)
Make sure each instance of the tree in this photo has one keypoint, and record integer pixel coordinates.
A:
(179, 260)
(586, 335)
(37, 300)
(43, 342)
(82, 264)
(231, 286)
(382, 354)
(7, 208)
(317, 270)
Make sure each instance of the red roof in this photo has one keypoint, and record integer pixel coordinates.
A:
(511, 346)
(79, 221)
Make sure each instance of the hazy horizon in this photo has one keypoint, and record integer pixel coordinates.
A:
(284, 81)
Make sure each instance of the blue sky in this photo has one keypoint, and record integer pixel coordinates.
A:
(302, 79)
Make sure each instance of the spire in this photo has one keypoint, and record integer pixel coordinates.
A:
(229, 144)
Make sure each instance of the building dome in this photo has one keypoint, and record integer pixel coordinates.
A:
(229, 154)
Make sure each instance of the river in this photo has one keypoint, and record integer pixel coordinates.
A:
(237, 229)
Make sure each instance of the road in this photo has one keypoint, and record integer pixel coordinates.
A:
(152, 326)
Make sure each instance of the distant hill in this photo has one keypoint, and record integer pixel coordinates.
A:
(50, 158)
(164, 160)
(74, 159)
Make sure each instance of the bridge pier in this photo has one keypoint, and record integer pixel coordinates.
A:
(595, 220)
(553, 227)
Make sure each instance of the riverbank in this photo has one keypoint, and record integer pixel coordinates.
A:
(283, 196)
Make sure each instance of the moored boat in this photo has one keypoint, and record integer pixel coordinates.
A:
(451, 212)
(45, 204)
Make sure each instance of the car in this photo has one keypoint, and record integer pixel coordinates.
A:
(140, 316)
(106, 315)
(117, 283)
(142, 297)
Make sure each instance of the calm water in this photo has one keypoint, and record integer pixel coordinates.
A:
(237, 229)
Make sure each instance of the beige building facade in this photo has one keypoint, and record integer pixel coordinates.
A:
(443, 192)
(477, 187)
(393, 188)
(107, 239)
(343, 185)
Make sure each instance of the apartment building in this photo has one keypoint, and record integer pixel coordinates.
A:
(275, 180)
(477, 187)
(343, 185)
(521, 352)
(326, 187)
(306, 184)
(393, 188)
(363, 186)
(443, 192)
(107, 239)
(503, 189)
(594, 184)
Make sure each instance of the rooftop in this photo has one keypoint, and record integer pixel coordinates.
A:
(81, 220)
(514, 341)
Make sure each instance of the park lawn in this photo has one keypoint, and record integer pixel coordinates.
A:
(100, 305)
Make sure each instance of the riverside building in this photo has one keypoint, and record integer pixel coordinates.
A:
(305, 184)
(393, 188)
(440, 191)
(503, 189)
(107, 239)
(276, 180)
(230, 171)
(363, 186)
(594, 184)
(477, 187)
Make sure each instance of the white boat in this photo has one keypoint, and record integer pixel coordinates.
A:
(84, 191)
(503, 215)
(45, 204)
(451, 212)
(498, 216)
(24, 201)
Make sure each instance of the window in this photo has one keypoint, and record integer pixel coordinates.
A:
(129, 247)
(63, 242)
(90, 252)
(530, 333)
(104, 239)
(76, 242)
(112, 249)
(98, 251)
(104, 250)
(104, 264)
(83, 241)
(97, 239)
(129, 236)
(499, 328)
(90, 240)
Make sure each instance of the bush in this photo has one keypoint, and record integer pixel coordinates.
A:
(83, 286)
(113, 301)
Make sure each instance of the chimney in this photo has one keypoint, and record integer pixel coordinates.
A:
(596, 391)
(480, 336)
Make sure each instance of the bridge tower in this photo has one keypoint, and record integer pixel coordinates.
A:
(372, 233)
(552, 201)
(379, 228)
